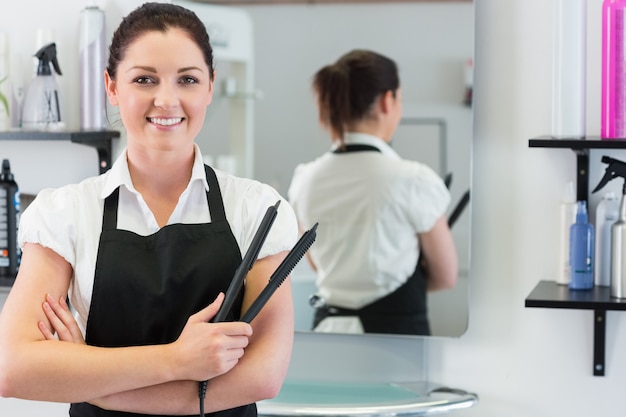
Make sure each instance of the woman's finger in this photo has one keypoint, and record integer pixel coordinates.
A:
(47, 334)
(207, 313)
(62, 321)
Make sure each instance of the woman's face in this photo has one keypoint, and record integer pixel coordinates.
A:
(163, 88)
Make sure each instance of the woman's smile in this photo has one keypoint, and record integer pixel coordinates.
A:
(165, 121)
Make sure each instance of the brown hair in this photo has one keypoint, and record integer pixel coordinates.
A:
(347, 89)
(158, 17)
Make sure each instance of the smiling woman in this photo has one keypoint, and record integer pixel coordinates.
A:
(162, 235)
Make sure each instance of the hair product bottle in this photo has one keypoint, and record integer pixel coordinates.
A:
(613, 123)
(5, 86)
(618, 245)
(569, 40)
(42, 107)
(9, 220)
(567, 212)
(607, 213)
(17, 91)
(92, 49)
(581, 250)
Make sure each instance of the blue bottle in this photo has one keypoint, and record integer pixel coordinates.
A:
(581, 250)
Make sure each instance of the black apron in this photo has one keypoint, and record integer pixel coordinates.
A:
(404, 311)
(146, 287)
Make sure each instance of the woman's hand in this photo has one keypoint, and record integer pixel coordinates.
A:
(206, 350)
(61, 320)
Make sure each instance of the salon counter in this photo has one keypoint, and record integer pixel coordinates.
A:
(336, 399)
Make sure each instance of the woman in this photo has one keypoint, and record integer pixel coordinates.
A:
(377, 213)
(144, 253)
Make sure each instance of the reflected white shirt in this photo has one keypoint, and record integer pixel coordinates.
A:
(68, 220)
(370, 207)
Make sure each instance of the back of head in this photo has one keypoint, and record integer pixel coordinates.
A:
(347, 89)
(157, 17)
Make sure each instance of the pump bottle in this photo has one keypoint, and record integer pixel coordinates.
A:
(9, 219)
(42, 109)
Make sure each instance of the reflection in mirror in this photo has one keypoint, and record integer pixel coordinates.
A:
(431, 42)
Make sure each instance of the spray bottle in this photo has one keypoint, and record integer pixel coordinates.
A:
(9, 219)
(615, 169)
(42, 109)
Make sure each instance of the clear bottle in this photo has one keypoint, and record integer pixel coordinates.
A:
(92, 51)
(607, 213)
(581, 250)
(569, 61)
(42, 107)
(567, 216)
(5, 86)
(613, 113)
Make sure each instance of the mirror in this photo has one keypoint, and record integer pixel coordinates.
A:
(430, 41)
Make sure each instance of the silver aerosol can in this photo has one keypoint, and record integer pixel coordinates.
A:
(618, 257)
(92, 63)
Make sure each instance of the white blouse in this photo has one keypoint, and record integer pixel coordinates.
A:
(68, 220)
(370, 206)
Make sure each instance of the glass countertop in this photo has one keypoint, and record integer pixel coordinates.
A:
(338, 399)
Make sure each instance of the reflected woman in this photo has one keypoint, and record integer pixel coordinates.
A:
(377, 213)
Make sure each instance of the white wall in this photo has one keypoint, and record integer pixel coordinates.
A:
(522, 362)
(525, 362)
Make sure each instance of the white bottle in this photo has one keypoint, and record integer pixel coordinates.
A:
(92, 50)
(569, 68)
(5, 82)
(18, 91)
(567, 218)
(607, 213)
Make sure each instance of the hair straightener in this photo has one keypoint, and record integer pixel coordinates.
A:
(276, 279)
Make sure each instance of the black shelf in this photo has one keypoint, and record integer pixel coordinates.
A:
(99, 139)
(549, 294)
(587, 142)
(581, 147)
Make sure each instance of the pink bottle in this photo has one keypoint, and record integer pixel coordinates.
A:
(613, 70)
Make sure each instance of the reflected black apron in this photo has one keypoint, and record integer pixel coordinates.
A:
(404, 311)
(146, 287)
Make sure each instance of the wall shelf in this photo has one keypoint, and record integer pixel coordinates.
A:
(549, 294)
(99, 139)
(581, 147)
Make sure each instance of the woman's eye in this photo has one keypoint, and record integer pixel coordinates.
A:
(144, 80)
(188, 80)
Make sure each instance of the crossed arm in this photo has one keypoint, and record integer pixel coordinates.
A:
(243, 363)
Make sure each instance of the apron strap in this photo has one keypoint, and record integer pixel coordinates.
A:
(216, 204)
(356, 147)
(109, 219)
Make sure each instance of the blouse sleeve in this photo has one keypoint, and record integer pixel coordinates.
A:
(50, 221)
(430, 198)
(284, 231)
